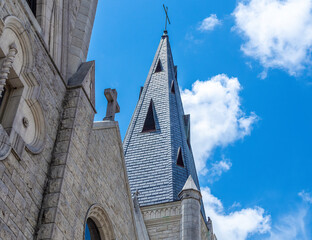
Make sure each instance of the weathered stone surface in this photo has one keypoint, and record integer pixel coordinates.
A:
(163, 221)
(86, 167)
(4, 191)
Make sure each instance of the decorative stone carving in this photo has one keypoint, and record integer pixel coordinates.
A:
(102, 221)
(25, 122)
(112, 105)
(37, 144)
(6, 66)
(161, 211)
(31, 130)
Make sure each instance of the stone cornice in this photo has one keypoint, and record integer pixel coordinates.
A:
(170, 211)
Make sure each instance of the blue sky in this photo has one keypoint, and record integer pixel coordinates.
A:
(251, 60)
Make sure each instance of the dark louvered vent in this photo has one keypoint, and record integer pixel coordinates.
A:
(172, 87)
(180, 158)
(149, 123)
(159, 67)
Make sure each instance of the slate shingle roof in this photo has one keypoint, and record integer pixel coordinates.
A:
(151, 157)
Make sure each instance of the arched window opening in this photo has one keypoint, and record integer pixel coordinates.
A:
(22, 123)
(92, 231)
(98, 225)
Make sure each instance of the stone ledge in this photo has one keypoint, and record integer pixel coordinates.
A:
(104, 124)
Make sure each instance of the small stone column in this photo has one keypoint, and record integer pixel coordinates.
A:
(190, 204)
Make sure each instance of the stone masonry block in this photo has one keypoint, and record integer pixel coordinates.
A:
(48, 215)
(57, 171)
(51, 200)
(55, 185)
(19, 201)
(45, 231)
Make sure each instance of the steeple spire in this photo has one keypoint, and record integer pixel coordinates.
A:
(157, 151)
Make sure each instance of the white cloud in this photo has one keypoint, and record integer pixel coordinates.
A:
(209, 23)
(305, 196)
(216, 117)
(278, 32)
(216, 169)
(236, 225)
(235, 205)
(291, 226)
(244, 223)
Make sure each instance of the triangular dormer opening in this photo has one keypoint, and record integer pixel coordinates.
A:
(150, 123)
(180, 158)
(172, 87)
(159, 67)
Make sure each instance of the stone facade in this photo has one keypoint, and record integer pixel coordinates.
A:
(57, 167)
(178, 219)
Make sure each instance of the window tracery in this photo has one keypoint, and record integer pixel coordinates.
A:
(19, 90)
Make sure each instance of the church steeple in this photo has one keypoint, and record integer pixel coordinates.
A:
(160, 160)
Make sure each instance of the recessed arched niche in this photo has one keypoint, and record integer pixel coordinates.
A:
(98, 226)
(21, 116)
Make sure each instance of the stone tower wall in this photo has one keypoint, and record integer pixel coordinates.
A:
(164, 221)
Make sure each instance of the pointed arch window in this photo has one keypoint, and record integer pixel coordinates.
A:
(150, 123)
(159, 67)
(180, 158)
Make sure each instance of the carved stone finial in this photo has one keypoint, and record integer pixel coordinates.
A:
(112, 105)
(6, 66)
(137, 192)
(25, 122)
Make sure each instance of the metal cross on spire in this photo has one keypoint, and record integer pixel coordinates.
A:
(167, 17)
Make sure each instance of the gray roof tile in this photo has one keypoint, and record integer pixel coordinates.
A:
(151, 157)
